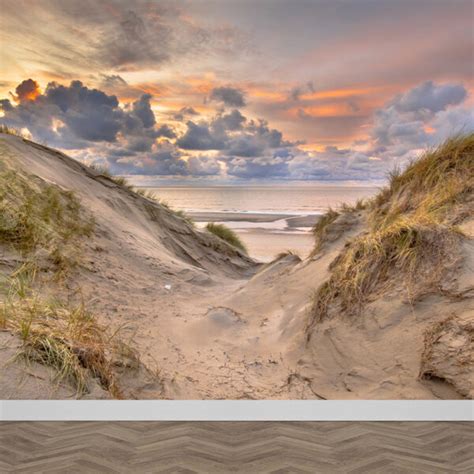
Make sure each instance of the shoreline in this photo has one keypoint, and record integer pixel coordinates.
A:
(292, 220)
(265, 235)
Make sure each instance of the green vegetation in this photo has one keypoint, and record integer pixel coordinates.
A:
(412, 230)
(224, 233)
(320, 229)
(39, 216)
(62, 336)
(45, 225)
(121, 181)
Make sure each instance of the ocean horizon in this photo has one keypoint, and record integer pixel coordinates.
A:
(268, 219)
(290, 198)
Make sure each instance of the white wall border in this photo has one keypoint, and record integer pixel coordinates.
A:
(237, 410)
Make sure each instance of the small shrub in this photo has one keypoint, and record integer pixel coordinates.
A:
(224, 233)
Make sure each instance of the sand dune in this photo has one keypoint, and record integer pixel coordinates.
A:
(208, 322)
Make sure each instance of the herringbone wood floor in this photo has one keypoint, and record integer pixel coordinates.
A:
(245, 447)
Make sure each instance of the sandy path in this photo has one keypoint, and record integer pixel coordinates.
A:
(210, 342)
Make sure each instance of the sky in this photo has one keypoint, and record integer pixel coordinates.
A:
(237, 90)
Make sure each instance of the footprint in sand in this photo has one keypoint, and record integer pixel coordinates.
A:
(224, 317)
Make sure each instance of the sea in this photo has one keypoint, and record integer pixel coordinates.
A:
(263, 210)
(269, 199)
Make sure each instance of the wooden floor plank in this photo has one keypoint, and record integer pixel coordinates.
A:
(236, 447)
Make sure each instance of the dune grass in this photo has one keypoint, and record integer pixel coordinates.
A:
(64, 337)
(11, 131)
(224, 233)
(287, 253)
(412, 231)
(45, 225)
(39, 216)
(320, 229)
(431, 187)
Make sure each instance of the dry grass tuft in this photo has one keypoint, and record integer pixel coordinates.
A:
(321, 227)
(11, 131)
(431, 187)
(412, 231)
(45, 227)
(39, 216)
(287, 253)
(224, 233)
(66, 338)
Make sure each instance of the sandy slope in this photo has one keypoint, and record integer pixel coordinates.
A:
(215, 324)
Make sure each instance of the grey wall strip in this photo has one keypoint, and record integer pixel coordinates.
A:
(239, 410)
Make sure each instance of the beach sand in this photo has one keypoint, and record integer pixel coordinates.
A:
(207, 322)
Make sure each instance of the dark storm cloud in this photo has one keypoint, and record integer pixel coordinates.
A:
(98, 128)
(234, 136)
(84, 115)
(27, 90)
(89, 114)
(232, 121)
(246, 145)
(229, 96)
(142, 109)
(200, 137)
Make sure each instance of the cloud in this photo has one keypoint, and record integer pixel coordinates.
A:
(142, 109)
(229, 122)
(430, 97)
(229, 96)
(185, 112)
(296, 92)
(199, 137)
(95, 127)
(160, 163)
(203, 166)
(260, 167)
(27, 90)
(134, 40)
(165, 131)
(112, 81)
(414, 119)
(73, 116)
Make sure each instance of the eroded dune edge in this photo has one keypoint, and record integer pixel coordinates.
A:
(106, 293)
